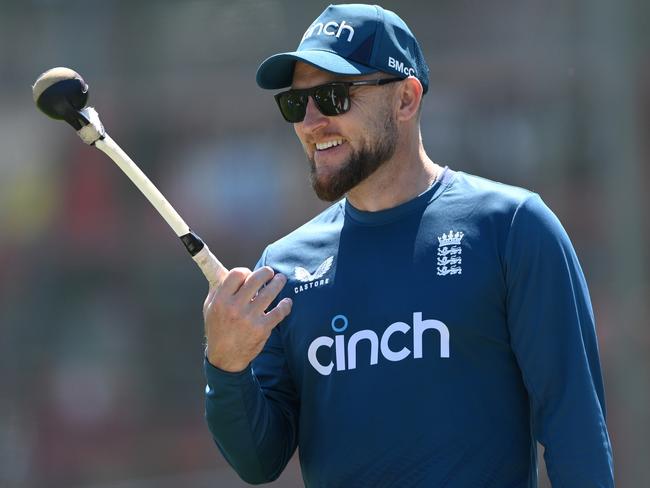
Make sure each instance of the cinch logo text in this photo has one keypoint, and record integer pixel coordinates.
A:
(329, 29)
(343, 352)
(399, 66)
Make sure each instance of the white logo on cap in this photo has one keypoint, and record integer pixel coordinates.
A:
(329, 29)
(399, 66)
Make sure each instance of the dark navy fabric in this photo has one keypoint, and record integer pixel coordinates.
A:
(429, 345)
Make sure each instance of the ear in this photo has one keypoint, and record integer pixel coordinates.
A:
(409, 97)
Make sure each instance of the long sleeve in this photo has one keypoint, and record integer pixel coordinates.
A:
(252, 415)
(553, 336)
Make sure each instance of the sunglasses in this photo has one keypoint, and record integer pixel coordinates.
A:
(330, 98)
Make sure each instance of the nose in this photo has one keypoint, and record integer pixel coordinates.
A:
(313, 118)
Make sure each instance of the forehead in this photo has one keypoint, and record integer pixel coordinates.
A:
(305, 76)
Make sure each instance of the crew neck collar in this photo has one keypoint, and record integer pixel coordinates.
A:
(395, 213)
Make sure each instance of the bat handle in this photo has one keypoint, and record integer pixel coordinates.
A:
(214, 271)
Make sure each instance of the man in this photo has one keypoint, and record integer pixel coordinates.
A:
(423, 331)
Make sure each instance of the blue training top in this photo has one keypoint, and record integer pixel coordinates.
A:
(429, 345)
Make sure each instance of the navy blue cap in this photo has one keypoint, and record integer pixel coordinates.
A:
(352, 39)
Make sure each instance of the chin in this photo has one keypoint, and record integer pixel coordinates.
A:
(325, 174)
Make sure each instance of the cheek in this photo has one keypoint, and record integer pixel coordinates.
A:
(381, 122)
(301, 136)
(372, 120)
(296, 129)
(365, 135)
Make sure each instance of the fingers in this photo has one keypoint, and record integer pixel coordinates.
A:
(277, 315)
(236, 325)
(234, 281)
(231, 284)
(254, 282)
(267, 294)
(254, 290)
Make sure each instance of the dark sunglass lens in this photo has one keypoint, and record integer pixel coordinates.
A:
(332, 99)
(293, 106)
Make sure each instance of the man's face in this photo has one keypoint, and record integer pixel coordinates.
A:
(365, 136)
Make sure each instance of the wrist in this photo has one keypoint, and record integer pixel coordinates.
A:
(224, 365)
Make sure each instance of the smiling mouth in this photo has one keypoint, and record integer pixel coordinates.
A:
(324, 146)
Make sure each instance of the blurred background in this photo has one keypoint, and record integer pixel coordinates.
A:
(101, 381)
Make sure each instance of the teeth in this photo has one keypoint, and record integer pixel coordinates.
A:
(326, 145)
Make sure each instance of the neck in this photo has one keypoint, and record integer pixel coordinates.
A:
(403, 177)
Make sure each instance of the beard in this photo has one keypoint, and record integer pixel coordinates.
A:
(360, 165)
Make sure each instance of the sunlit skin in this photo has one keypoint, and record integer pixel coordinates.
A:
(237, 323)
(403, 176)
